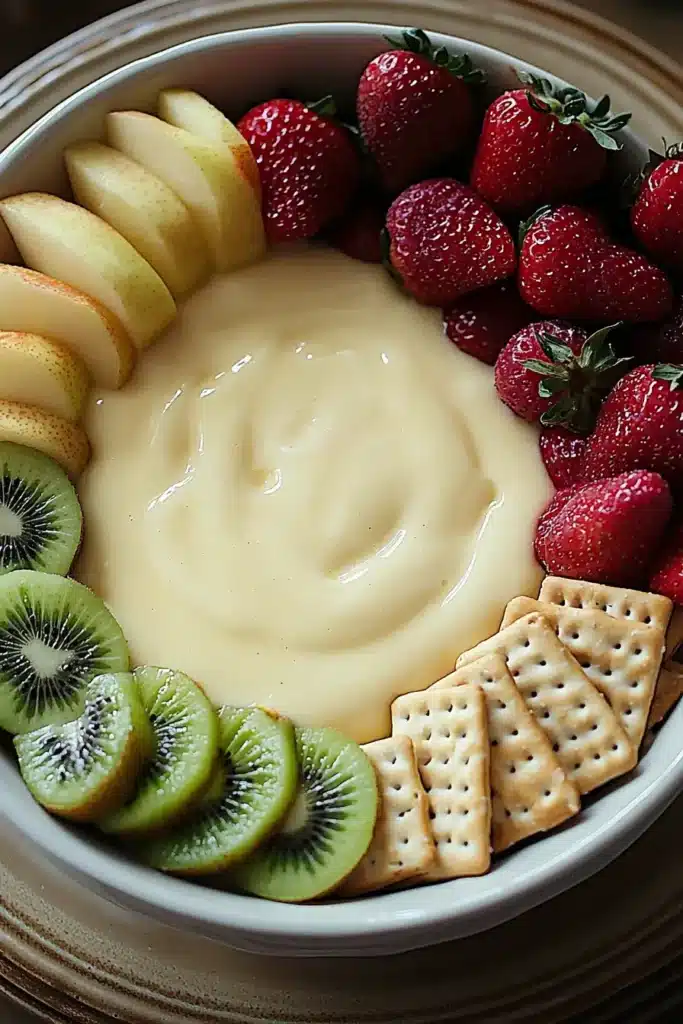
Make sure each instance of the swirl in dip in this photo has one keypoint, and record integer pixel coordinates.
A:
(307, 498)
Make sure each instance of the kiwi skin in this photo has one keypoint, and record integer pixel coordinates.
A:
(117, 786)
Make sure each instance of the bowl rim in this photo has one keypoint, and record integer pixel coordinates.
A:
(383, 922)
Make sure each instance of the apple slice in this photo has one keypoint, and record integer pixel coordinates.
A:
(67, 242)
(141, 208)
(32, 302)
(64, 442)
(205, 175)
(188, 110)
(37, 371)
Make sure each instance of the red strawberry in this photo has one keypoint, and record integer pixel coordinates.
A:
(555, 373)
(359, 234)
(640, 426)
(569, 267)
(606, 531)
(562, 452)
(483, 322)
(541, 145)
(667, 575)
(308, 164)
(657, 215)
(445, 241)
(415, 108)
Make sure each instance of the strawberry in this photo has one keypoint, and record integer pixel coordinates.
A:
(562, 452)
(667, 574)
(569, 267)
(415, 108)
(359, 234)
(444, 241)
(640, 426)
(657, 214)
(556, 374)
(308, 164)
(483, 322)
(605, 531)
(542, 144)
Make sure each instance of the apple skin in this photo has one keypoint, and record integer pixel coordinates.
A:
(71, 244)
(186, 109)
(38, 304)
(61, 440)
(143, 209)
(39, 372)
(208, 178)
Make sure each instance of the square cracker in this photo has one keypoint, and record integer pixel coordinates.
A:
(449, 730)
(621, 658)
(402, 846)
(589, 742)
(620, 603)
(530, 791)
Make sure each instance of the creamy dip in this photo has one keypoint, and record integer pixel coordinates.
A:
(307, 498)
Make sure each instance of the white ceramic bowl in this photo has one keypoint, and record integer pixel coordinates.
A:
(235, 70)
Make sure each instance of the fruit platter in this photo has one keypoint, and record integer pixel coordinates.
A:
(340, 545)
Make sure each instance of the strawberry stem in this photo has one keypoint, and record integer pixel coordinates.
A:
(669, 372)
(416, 41)
(324, 107)
(577, 382)
(570, 106)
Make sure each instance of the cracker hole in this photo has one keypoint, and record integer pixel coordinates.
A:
(515, 732)
(502, 705)
(494, 743)
(465, 811)
(393, 760)
(546, 714)
(634, 686)
(574, 737)
(530, 757)
(465, 789)
(563, 602)
(527, 643)
(603, 607)
(648, 620)
(489, 680)
(594, 726)
(508, 814)
(543, 663)
(607, 672)
(615, 746)
(512, 769)
(556, 747)
(581, 707)
(577, 766)
(516, 672)
(432, 814)
(575, 636)
(629, 711)
(596, 757)
(525, 810)
(629, 613)
(450, 707)
(396, 786)
(559, 686)
(465, 842)
(638, 650)
(547, 792)
(585, 664)
(401, 814)
(617, 647)
(463, 707)
(406, 841)
(534, 693)
(446, 733)
(463, 735)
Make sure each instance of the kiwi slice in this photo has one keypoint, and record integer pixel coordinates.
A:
(259, 766)
(185, 727)
(328, 828)
(40, 515)
(88, 767)
(55, 637)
